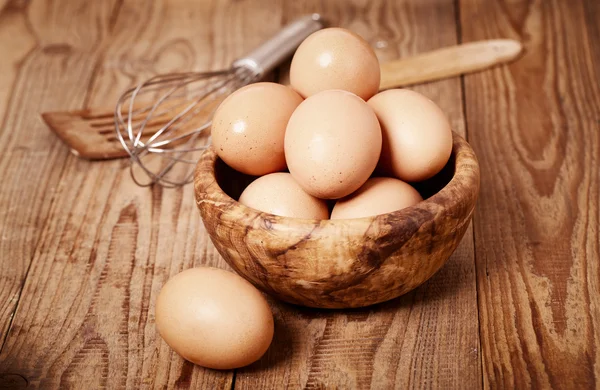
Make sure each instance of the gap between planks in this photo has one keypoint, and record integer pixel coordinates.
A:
(459, 40)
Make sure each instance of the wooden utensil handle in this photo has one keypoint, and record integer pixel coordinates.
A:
(448, 62)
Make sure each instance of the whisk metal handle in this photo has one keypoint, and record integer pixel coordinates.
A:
(267, 56)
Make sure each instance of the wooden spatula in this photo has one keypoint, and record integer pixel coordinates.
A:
(91, 133)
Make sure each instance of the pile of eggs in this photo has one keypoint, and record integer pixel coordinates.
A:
(331, 136)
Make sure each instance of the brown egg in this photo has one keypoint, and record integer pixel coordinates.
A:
(214, 318)
(417, 138)
(379, 195)
(335, 58)
(249, 126)
(332, 144)
(279, 194)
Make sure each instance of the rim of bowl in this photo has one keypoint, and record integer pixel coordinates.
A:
(466, 170)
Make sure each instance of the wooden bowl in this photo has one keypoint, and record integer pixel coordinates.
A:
(339, 263)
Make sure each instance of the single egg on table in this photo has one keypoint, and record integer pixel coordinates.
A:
(379, 195)
(279, 194)
(332, 144)
(417, 137)
(248, 127)
(335, 58)
(214, 318)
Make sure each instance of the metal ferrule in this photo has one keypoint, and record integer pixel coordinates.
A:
(273, 52)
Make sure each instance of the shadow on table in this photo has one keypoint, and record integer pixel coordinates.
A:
(301, 333)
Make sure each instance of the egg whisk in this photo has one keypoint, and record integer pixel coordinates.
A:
(168, 115)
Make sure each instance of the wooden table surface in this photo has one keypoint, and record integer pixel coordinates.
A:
(84, 252)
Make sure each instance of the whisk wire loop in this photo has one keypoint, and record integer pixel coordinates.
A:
(160, 129)
(164, 122)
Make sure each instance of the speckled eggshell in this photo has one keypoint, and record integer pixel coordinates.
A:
(279, 194)
(332, 144)
(248, 127)
(214, 318)
(335, 58)
(417, 137)
(379, 195)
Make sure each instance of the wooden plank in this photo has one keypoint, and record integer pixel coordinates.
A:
(535, 126)
(35, 60)
(86, 316)
(427, 338)
(16, 41)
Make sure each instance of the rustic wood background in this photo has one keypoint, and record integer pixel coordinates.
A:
(84, 252)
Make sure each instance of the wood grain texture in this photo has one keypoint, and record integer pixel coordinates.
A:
(37, 56)
(427, 338)
(339, 263)
(12, 24)
(537, 122)
(89, 250)
(85, 318)
(101, 248)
